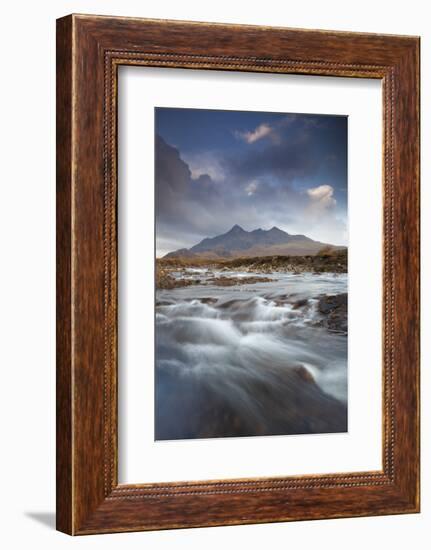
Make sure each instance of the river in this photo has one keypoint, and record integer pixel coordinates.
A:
(249, 360)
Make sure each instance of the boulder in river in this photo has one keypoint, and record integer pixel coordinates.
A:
(334, 311)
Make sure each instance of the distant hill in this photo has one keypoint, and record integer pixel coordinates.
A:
(238, 243)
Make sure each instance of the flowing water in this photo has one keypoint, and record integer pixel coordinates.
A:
(252, 359)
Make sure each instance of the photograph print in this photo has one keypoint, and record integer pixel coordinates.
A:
(251, 273)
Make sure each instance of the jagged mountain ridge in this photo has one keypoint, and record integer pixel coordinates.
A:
(240, 243)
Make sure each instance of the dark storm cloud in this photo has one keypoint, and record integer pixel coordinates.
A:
(286, 160)
(183, 204)
(298, 151)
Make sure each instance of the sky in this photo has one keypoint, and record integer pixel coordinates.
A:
(215, 169)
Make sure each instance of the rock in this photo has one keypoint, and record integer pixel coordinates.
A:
(331, 303)
(165, 281)
(304, 374)
(300, 303)
(334, 310)
(164, 303)
(208, 300)
(233, 281)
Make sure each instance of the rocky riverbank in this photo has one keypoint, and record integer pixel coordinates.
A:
(327, 262)
(330, 261)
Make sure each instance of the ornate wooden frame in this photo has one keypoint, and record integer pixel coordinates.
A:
(89, 51)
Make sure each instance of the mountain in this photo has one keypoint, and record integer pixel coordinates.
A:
(238, 243)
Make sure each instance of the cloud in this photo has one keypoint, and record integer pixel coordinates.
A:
(266, 130)
(205, 163)
(322, 196)
(291, 152)
(185, 206)
(286, 160)
(262, 131)
(251, 188)
(325, 220)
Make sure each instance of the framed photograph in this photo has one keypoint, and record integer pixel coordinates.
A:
(237, 274)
